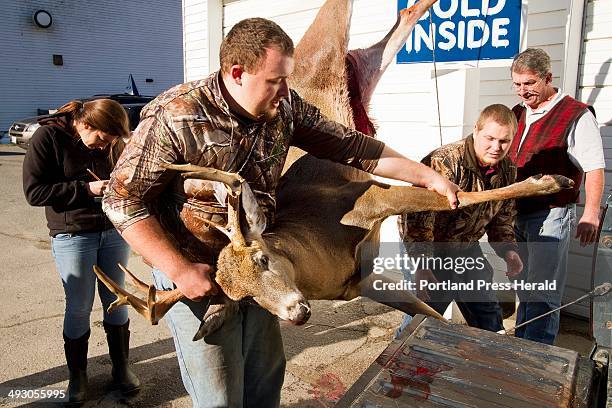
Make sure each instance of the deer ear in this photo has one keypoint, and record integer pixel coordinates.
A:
(254, 221)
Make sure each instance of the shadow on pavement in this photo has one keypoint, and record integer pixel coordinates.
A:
(160, 378)
(328, 326)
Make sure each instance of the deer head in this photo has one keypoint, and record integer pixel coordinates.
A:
(248, 266)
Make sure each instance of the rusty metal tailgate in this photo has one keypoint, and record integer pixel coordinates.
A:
(437, 364)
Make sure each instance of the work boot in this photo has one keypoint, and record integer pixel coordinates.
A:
(76, 358)
(118, 338)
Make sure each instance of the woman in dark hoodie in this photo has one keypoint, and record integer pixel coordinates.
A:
(81, 139)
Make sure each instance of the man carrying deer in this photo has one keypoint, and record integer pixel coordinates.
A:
(241, 119)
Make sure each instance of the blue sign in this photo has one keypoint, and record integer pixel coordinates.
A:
(464, 30)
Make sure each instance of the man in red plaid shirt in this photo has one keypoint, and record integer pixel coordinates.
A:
(556, 135)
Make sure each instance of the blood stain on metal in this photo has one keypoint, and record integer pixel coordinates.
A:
(417, 376)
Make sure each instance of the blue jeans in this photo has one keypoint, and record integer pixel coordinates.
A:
(547, 237)
(75, 255)
(241, 364)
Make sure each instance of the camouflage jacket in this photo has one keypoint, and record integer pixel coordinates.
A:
(192, 123)
(457, 162)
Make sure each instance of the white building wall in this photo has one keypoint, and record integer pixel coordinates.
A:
(595, 79)
(101, 44)
(202, 35)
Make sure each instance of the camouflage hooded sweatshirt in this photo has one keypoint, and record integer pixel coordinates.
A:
(458, 163)
(192, 123)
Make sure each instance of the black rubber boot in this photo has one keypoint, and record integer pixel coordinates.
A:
(118, 338)
(76, 358)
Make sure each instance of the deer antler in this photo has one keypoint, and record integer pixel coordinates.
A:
(233, 182)
(157, 304)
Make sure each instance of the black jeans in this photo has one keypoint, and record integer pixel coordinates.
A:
(479, 306)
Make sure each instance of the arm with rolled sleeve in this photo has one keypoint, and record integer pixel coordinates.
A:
(585, 147)
(138, 176)
(327, 139)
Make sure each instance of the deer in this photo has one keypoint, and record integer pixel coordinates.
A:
(328, 215)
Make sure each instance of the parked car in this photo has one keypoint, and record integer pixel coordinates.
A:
(21, 131)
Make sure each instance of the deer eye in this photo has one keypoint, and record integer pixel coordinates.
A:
(263, 261)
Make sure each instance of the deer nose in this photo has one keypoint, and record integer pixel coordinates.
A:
(303, 313)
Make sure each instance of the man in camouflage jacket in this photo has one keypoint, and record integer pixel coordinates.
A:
(242, 119)
(475, 163)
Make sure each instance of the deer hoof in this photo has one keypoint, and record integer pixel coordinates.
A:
(563, 181)
(553, 182)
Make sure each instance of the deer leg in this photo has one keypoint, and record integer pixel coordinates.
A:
(533, 186)
(321, 62)
(402, 300)
(372, 62)
(380, 200)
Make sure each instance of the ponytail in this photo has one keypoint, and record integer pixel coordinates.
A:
(73, 108)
